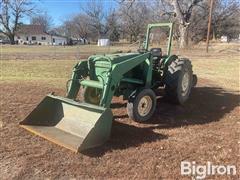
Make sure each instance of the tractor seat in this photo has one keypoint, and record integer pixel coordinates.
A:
(156, 53)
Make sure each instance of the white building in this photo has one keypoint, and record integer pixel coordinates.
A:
(224, 39)
(35, 34)
(103, 42)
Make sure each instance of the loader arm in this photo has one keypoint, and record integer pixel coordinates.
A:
(118, 70)
(113, 78)
(80, 71)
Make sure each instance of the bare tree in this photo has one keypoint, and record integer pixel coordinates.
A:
(68, 29)
(97, 17)
(131, 17)
(76, 27)
(92, 23)
(226, 18)
(134, 17)
(161, 10)
(184, 10)
(11, 12)
(44, 20)
(81, 26)
(113, 27)
(197, 30)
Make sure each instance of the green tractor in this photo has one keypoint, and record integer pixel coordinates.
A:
(134, 76)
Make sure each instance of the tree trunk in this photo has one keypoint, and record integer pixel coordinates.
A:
(183, 36)
(131, 38)
(214, 34)
(135, 37)
(11, 38)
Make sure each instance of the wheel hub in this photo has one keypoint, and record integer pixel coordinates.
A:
(185, 83)
(145, 105)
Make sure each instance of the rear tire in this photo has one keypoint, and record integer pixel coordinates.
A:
(142, 107)
(194, 80)
(178, 81)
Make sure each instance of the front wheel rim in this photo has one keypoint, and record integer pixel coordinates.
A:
(145, 105)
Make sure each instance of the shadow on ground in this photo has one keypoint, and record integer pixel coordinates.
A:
(206, 104)
(124, 136)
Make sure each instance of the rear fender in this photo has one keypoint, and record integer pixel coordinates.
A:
(169, 59)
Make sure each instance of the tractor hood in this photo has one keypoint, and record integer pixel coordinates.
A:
(113, 58)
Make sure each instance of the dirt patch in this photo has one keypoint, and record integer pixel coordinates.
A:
(205, 129)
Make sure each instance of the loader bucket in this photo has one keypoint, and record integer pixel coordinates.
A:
(76, 126)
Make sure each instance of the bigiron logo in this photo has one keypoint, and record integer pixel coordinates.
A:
(202, 171)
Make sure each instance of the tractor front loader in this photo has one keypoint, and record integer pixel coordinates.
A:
(134, 76)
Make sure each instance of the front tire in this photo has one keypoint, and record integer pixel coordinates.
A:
(179, 81)
(142, 107)
(92, 95)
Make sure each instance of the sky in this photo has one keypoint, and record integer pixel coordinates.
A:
(61, 10)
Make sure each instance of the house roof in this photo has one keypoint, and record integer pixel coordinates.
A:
(31, 30)
(54, 33)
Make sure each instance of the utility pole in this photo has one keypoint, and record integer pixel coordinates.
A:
(209, 23)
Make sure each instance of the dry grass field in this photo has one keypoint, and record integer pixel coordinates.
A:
(206, 128)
